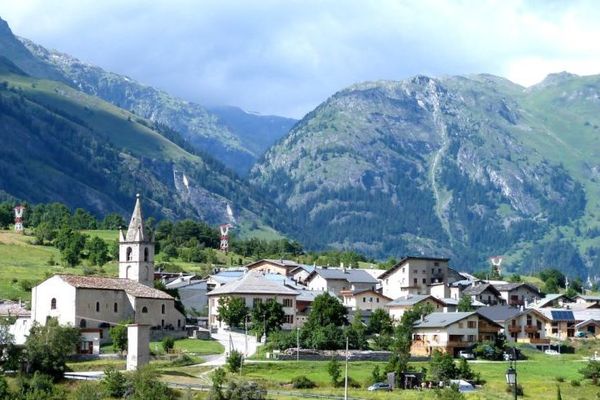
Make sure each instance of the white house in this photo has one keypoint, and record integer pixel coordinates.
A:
(415, 275)
(95, 303)
(363, 299)
(336, 280)
(22, 319)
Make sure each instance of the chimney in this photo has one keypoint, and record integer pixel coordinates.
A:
(343, 267)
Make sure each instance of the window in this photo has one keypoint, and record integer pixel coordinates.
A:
(288, 303)
(288, 319)
(53, 304)
(424, 281)
(471, 338)
(364, 299)
(370, 299)
(437, 264)
(162, 309)
(116, 307)
(82, 323)
(162, 323)
(144, 310)
(179, 323)
(415, 281)
(378, 299)
(97, 306)
(128, 254)
(472, 324)
(145, 254)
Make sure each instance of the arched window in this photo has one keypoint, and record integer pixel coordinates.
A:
(82, 323)
(128, 256)
(145, 254)
(127, 271)
(97, 306)
(162, 308)
(144, 310)
(53, 304)
(116, 307)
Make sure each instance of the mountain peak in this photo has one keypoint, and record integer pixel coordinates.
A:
(556, 78)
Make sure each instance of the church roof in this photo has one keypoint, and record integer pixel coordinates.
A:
(136, 231)
(129, 286)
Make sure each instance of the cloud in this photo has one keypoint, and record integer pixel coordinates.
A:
(285, 57)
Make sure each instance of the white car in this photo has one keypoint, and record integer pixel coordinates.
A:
(467, 355)
(551, 352)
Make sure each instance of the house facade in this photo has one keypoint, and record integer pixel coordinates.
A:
(281, 267)
(363, 300)
(518, 294)
(413, 276)
(396, 308)
(336, 280)
(485, 293)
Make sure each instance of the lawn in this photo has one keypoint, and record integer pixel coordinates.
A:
(192, 346)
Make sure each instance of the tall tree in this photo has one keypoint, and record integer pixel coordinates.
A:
(232, 310)
(267, 315)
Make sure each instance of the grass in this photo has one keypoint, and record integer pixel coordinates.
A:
(192, 346)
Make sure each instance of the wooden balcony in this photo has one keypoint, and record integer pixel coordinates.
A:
(539, 341)
(485, 328)
(531, 329)
(514, 329)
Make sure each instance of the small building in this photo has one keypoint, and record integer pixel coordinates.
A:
(19, 329)
(413, 275)
(552, 300)
(254, 288)
(562, 323)
(485, 293)
(587, 299)
(281, 267)
(520, 325)
(518, 294)
(300, 273)
(590, 327)
(363, 300)
(451, 332)
(396, 308)
(336, 280)
(223, 277)
(192, 293)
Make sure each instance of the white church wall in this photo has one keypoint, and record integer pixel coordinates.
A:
(62, 307)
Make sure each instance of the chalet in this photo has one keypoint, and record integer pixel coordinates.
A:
(300, 273)
(562, 323)
(363, 299)
(518, 294)
(552, 300)
(451, 332)
(590, 327)
(520, 325)
(254, 288)
(485, 293)
(399, 306)
(414, 275)
(586, 299)
(94, 303)
(281, 267)
(336, 280)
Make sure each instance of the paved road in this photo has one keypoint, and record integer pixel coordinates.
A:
(231, 341)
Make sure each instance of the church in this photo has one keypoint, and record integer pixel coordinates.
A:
(94, 304)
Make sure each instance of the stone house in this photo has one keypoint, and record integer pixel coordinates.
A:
(192, 293)
(485, 293)
(518, 294)
(414, 275)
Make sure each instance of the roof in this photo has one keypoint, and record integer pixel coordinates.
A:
(478, 289)
(288, 264)
(129, 286)
(548, 299)
(184, 282)
(562, 315)
(227, 276)
(359, 291)
(136, 231)
(499, 313)
(410, 300)
(308, 295)
(441, 319)
(588, 298)
(253, 283)
(507, 287)
(349, 274)
(13, 308)
(588, 322)
(405, 259)
(303, 267)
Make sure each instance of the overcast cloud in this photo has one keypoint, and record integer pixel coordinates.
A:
(285, 57)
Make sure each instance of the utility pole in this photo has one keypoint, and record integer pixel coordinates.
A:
(297, 344)
(346, 377)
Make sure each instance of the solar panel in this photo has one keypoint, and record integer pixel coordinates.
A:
(562, 315)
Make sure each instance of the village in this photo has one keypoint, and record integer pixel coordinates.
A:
(456, 311)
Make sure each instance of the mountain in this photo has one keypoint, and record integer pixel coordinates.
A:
(233, 137)
(465, 167)
(59, 144)
(257, 132)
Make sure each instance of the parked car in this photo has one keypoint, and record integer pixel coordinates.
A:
(379, 386)
(551, 352)
(467, 355)
(581, 334)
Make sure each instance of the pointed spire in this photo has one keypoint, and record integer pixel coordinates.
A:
(136, 231)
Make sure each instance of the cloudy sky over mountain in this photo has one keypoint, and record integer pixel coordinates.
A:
(285, 57)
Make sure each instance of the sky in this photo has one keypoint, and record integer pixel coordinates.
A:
(286, 57)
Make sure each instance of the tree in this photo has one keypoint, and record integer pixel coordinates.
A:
(558, 395)
(6, 215)
(38, 387)
(515, 278)
(5, 393)
(326, 310)
(48, 347)
(267, 315)
(70, 244)
(377, 375)
(114, 382)
(464, 370)
(8, 351)
(591, 371)
(356, 333)
(97, 250)
(442, 367)
(334, 370)
(232, 310)
(217, 378)
(168, 344)
(380, 323)
(118, 334)
(465, 304)
(234, 361)
(112, 221)
(44, 233)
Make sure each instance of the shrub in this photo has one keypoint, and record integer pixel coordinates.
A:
(302, 382)
(168, 344)
(450, 393)
(559, 379)
(334, 371)
(88, 391)
(509, 389)
(234, 361)
(183, 360)
(575, 383)
(114, 382)
(244, 390)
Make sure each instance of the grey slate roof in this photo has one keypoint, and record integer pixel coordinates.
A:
(589, 298)
(499, 313)
(253, 283)
(478, 289)
(512, 286)
(441, 319)
(409, 300)
(349, 274)
(548, 299)
(129, 286)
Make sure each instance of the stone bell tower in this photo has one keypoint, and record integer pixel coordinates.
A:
(136, 250)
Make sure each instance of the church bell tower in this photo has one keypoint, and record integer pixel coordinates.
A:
(136, 250)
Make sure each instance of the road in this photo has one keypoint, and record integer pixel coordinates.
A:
(235, 340)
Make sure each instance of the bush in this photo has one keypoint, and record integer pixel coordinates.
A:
(450, 393)
(559, 379)
(88, 391)
(244, 390)
(509, 389)
(234, 361)
(114, 382)
(302, 382)
(168, 344)
(183, 360)
(575, 383)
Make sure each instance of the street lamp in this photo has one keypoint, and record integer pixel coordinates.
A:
(511, 376)
(511, 373)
